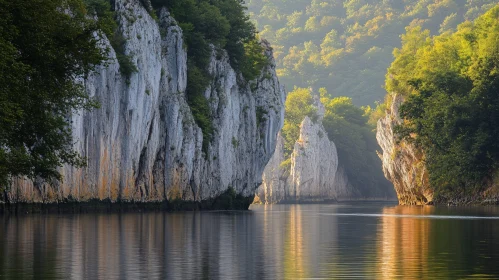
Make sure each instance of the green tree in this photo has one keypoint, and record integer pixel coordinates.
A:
(299, 104)
(44, 48)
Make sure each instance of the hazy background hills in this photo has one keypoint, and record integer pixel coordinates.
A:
(346, 46)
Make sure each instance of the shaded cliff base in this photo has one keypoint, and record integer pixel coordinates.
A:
(488, 197)
(414, 196)
(228, 200)
(319, 200)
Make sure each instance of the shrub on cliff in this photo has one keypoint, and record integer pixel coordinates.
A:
(107, 23)
(224, 24)
(43, 49)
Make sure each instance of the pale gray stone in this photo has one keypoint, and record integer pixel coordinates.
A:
(143, 144)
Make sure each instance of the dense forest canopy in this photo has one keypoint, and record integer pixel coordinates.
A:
(451, 86)
(346, 46)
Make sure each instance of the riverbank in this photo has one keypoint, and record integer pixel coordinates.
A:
(229, 200)
(456, 200)
(257, 201)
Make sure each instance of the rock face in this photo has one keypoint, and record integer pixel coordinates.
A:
(143, 144)
(402, 163)
(314, 174)
(314, 166)
(274, 188)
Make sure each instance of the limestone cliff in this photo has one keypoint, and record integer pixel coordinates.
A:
(143, 144)
(314, 174)
(402, 163)
(274, 188)
(314, 166)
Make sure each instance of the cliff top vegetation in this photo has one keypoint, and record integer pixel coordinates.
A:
(451, 110)
(225, 25)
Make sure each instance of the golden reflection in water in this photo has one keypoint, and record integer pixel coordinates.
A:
(272, 234)
(294, 259)
(403, 245)
(275, 242)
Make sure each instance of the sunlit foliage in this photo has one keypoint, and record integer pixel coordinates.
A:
(451, 83)
(299, 104)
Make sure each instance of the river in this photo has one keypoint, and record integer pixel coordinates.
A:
(329, 241)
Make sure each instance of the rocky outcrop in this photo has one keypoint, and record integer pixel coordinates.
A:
(402, 163)
(143, 144)
(274, 188)
(314, 174)
(314, 166)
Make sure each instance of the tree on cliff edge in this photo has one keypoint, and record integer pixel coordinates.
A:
(45, 45)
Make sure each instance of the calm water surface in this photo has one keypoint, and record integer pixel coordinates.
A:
(365, 241)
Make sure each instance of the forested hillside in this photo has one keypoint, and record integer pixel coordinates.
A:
(346, 46)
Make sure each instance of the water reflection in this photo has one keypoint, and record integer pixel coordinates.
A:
(429, 248)
(403, 243)
(270, 242)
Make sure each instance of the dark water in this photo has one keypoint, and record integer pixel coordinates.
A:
(370, 241)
